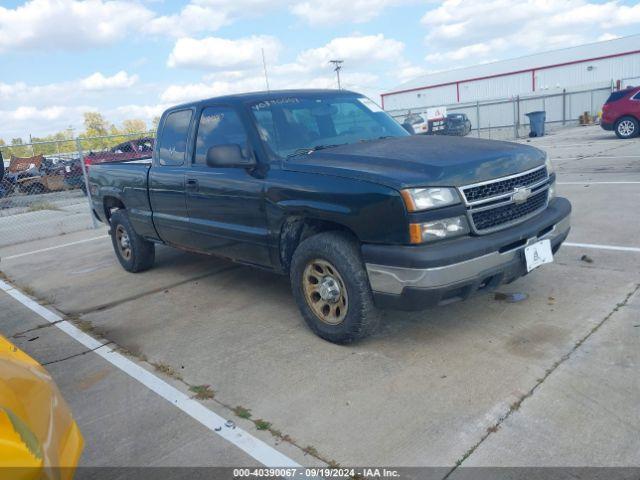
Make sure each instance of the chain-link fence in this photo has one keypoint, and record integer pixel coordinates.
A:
(44, 189)
(506, 118)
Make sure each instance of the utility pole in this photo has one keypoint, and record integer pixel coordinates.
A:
(337, 66)
(264, 66)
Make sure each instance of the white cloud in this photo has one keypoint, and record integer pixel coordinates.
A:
(144, 112)
(311, 68)
(607, 36)
(69, 24)
(81, 24)
(98, 81)
(254, 81)
(195, 91)
(222, 53)
(464, 32)
(28, 119)
(326, 12)
(354, 50)
(191, 19)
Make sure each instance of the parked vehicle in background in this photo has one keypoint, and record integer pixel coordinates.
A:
(621, 113)
(325, 187)
(37, 174)
(38, 437)
(457, 124)
(137, 149)
(73, 174)
(450, 124)
(416, 124)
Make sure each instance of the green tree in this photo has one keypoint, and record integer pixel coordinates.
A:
(134, 125)
(95, 125)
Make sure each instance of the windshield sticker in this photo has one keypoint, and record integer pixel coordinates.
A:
(276, 101)
(370, 104)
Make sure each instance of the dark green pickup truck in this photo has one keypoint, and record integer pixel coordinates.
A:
(325, 187)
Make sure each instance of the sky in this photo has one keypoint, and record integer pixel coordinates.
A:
(134, 58)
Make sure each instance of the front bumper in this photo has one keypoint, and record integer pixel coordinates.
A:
(414, 278)
(606, 126)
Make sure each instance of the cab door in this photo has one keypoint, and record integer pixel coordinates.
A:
(167, 178)
(226, 204)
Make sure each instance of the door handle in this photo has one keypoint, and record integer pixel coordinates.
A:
(192, 184)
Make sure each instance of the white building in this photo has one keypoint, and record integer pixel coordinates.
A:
(595, 65)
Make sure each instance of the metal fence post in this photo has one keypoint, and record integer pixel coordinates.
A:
(564, 106)
(515, 119)
(478, 116)
(86, 182)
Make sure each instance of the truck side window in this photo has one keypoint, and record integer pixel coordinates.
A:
(173, 143)
(218, 126)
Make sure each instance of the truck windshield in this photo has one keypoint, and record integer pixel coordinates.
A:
(296, 125)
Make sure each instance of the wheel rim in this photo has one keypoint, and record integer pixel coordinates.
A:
(325, 292)
(123, 242)
(626, 128)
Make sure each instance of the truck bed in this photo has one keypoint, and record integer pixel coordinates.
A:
(127, 182)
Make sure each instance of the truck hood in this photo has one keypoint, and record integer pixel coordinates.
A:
(414, 161)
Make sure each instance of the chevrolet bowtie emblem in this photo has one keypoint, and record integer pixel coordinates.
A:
(521, 194)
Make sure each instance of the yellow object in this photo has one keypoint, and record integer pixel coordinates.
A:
(38, 437)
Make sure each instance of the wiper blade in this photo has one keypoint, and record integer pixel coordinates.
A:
(308, 150)
(373, 139)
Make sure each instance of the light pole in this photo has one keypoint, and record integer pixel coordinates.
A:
(337, 66)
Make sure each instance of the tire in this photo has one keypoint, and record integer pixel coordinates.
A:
(134, 253)
(317, 257)
(627, 127)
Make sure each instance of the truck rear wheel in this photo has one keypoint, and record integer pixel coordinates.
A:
(134, 253)
(331, 287)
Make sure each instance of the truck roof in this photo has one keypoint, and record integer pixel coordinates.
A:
(266, 95)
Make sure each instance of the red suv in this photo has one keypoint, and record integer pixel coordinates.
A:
(621, 113)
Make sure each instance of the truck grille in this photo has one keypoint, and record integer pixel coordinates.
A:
(506, 214)
(494, 205)
(488, 190)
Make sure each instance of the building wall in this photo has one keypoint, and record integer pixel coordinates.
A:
(584, 74)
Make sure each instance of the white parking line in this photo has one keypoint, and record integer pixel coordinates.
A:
(597, 157)
(601, 247)
(597, 183)
(254, 447)
(48, 249)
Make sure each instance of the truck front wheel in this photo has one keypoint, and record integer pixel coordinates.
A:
(331, 287)
(134, 253)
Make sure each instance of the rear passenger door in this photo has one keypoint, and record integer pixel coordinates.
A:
(167, 178)
(225, 204)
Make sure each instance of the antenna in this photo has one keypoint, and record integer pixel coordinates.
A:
(264, 66)
(337, 66)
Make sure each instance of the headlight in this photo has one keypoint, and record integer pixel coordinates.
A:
(548, 164)
(552, 191)
(438, 229)
(416, 199)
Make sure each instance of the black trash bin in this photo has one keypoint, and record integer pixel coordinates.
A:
(536, 123)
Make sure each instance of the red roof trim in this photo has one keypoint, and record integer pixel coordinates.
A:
(427, 87)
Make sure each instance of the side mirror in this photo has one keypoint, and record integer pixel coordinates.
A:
(228, 155)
